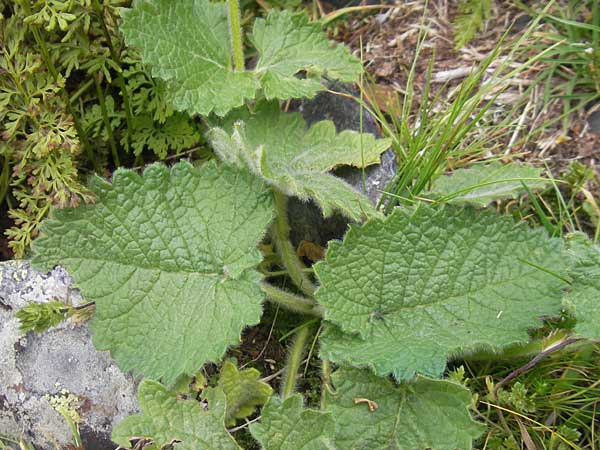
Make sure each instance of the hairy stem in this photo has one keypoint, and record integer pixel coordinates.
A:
(280, 233)
(235, 34)
(105, 118)
(517, 351)
(294, 361)
(291, 301)
(325, 381)
(515, 373)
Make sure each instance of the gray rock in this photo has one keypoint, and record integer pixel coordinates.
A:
(594, 122)
(61, 361)
(305, 218)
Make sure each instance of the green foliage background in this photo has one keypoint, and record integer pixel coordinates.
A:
(73, 99)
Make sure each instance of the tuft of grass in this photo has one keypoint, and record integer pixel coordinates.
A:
(571, 70)
(433, 132)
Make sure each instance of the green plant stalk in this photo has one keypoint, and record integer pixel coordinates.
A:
(291, 301)
(4, 179)
(117, 59)
(325, 381)
(280, 233)
(111, 137)
(519, 351)
(235, 34)
(294, 360)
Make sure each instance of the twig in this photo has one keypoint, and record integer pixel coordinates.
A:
(515, 373)
(241, 427)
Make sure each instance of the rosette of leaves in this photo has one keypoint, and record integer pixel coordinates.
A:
(187, 44)
(296, 160)
(407, 292)
(364, 412)
(169, 259)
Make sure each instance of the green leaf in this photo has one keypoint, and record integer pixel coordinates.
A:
(243, 391)
(280, 149)
(480, 185)
(288, 43)
(286, 425)
(169, 259)
(187, 44)
(409, 291)
(174, 135)
(166, 419)
(584, 299)
(38, 317)
(373, 413)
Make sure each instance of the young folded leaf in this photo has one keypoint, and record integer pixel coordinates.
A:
(244, 392)
(409, 291)
(169, 259)
(279, 148)
(187, 44)
(480, 185)
(166, 419)
(286, 425)
(584, 298)
(372, 413)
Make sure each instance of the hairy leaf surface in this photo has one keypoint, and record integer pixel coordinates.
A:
(584, 299)
(407, 292)
(288, 44)
(187, 44)
(166, 419)
(286, 425)
(168, 258)
(278, 148)
(243, 391)
(372, 412)
(480, 185)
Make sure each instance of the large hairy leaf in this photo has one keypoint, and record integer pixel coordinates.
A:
(168, 258)
(288, 44)
(480, 185)
(187, 43)
(286, 425)
(372, 413)
(407, 292)
(166, 419)
(280, 149)
(584, 299)
(243, 391)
